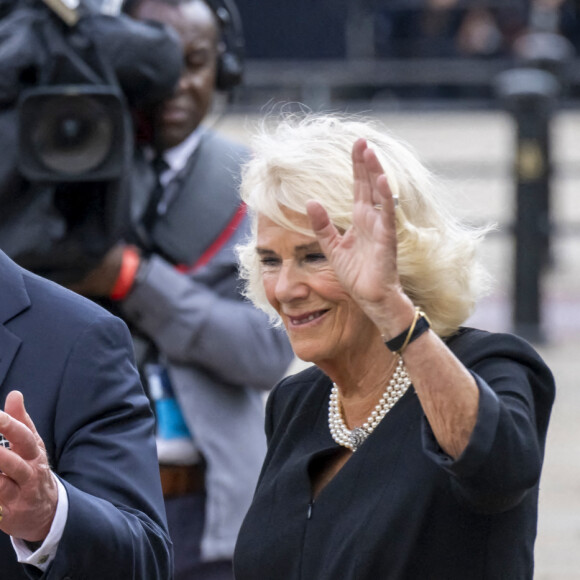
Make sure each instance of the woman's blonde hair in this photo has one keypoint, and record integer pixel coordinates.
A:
(301, 157)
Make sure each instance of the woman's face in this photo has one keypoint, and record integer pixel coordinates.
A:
(322, 321)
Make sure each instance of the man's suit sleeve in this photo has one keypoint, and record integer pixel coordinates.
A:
(105, 455)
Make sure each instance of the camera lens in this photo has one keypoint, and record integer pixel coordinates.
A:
(73, 134)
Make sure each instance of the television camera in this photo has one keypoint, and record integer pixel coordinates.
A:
(74, 72)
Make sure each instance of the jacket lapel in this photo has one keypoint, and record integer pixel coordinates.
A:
(13, 300)
(188, 228)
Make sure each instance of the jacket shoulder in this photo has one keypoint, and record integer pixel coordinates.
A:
(51, 300)
(217, 149)
(217, 140)
(472, 345)
(291, 394)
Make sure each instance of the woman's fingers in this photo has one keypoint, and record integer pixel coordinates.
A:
(322, 227)
(368, 171)
(374, 171)
(388, 200)
(362, 183)
(382, 193)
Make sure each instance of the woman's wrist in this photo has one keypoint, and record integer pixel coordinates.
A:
(419, 325)
(395, 317)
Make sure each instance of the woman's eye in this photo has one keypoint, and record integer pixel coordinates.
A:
(315, 257)
(269, 262)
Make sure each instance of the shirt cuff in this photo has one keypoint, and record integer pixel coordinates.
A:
(42, 557)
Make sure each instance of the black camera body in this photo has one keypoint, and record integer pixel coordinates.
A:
(68, 90)
(75, 126)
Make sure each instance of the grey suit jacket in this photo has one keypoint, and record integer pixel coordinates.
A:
(222, 352)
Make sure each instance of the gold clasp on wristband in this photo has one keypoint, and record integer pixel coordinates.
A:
(407, 336)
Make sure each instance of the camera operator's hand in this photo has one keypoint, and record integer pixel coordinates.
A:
(101, 281)
(28, 488)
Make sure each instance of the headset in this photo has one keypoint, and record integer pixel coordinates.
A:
(230, 66)
(231, 62)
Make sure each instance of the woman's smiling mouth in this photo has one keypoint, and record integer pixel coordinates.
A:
(306, 318)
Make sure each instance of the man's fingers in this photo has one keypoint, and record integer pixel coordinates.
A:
(14, 467)
(17, 427)
(15, 407)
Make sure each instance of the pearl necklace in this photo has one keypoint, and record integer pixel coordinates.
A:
(353, 439)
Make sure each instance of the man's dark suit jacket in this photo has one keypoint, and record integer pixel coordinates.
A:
(73, 362)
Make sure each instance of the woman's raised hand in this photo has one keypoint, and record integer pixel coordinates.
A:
(364, 257)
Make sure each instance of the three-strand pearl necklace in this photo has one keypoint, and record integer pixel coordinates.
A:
(353, 439)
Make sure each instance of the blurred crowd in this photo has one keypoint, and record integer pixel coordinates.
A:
(321, 29)
(469, 28)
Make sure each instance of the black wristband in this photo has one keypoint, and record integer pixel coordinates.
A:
(401, 341)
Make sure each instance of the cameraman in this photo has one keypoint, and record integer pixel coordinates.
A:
(177, 286)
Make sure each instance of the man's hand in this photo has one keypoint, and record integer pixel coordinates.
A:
(28, 489)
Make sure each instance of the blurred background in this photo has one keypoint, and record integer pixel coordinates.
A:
(488, 94)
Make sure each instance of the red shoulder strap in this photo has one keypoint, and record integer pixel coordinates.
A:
(218, 243)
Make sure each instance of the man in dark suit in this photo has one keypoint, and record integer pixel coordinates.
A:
(79, 486)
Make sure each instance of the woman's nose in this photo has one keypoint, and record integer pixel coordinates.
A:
(291, 283)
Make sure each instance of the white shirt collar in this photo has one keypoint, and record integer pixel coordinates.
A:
(176, 157)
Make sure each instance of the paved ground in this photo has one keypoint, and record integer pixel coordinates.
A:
(474, 151)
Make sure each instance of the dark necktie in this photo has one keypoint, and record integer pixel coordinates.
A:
(159, 165)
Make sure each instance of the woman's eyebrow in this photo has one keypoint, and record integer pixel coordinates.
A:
(311, 247)
(264, 251)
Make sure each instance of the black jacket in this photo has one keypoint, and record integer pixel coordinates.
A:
(400, 508)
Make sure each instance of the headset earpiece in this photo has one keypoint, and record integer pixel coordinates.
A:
(231, 61)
